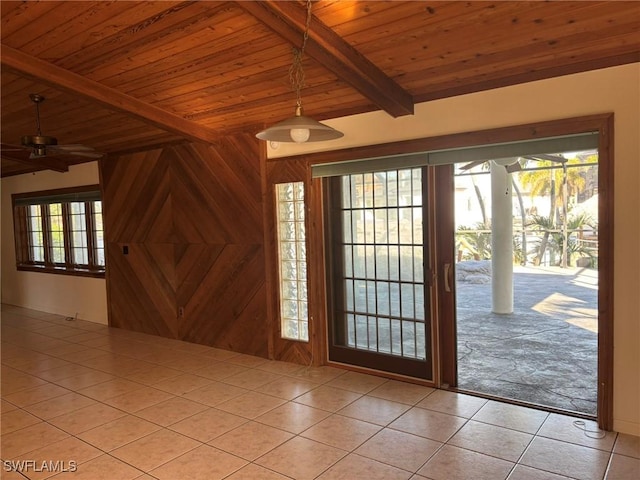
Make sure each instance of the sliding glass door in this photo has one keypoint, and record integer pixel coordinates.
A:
(378, 295)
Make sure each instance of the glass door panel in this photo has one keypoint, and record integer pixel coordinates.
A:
(377, 272)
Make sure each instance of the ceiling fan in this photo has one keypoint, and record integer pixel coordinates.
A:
(45, 145)
(515, 165)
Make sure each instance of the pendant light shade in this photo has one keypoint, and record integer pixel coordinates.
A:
(299, 129)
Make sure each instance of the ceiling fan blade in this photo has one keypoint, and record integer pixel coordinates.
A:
(470, 165)
(87, 154)
(73, 147)
(514, 167)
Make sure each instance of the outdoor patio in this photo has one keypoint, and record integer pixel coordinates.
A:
(545, 352)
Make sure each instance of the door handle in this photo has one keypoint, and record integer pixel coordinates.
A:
(447, 275)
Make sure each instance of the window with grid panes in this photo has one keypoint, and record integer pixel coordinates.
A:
(292, 259)
(60, 231)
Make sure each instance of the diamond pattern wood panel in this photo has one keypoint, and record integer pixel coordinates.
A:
(191, 216)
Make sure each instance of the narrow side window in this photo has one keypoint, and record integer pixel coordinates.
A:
(292, 261)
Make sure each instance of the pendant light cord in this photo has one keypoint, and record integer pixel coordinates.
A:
(296, 72)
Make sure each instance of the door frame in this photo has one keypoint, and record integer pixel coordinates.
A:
(603, 124)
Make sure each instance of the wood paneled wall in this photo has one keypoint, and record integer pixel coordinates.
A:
(191, 217)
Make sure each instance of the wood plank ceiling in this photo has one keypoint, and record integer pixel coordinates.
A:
(131, 75)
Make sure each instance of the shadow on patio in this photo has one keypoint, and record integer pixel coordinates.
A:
(545, 352)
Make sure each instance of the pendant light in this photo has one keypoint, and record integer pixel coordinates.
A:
(299, 129)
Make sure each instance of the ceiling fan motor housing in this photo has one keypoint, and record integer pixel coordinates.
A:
(38, 140)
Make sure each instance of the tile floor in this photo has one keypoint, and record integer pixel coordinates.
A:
(118, 405)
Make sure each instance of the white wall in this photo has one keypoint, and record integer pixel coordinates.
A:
(615, 90)
(61, 294)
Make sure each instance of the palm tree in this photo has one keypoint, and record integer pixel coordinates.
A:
(545, 180)
(549, 177)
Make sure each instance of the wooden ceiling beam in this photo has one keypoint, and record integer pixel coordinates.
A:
(325, 46)
(108, 97)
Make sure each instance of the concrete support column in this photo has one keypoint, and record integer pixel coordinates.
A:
(501, 239)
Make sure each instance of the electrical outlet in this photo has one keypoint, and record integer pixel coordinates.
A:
(180, 312)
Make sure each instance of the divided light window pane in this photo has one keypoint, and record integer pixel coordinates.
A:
(99, 231)
(35, 233)
(60, 231)
(292, 258)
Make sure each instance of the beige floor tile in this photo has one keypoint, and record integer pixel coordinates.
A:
(281, 368)
(567, 459)
(83, 336)
(30, 438)
(58, 373)
(357, 382)
(301, 458)
(110, 389)
(399, 449)
(86, 418)
(354, 467)
(192, 348)
(202, 463)
(78, 382)
(36, 394)
(221, 370)
(256, 472)
(342, 432)
(453, 463)
(57, 406)
(573, 430)
(492, 440)
(186, 362)
(401, 392)
(34, 367)
(453, 403)
(118, 432)
(287, 388)
(65, 349)
(426, 423)
(251, 404)
(104, 467)
(374, 410)
(182, 384)
(154, 375)
(515, 417)
(328, 398)
(171, 411)
(214, 393)
(247, 360)
(623, 468)
(251, 379)
(155, 449)
(293, 417)
(251, 440)
(220, 354)
(138, 399)
(319, 374)
(68, 452)
(82, 356)
(6, 406)
(17, 419)
(17, 381)
(522, 472)
(10, 472)
(628, 445)
(207, 425)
